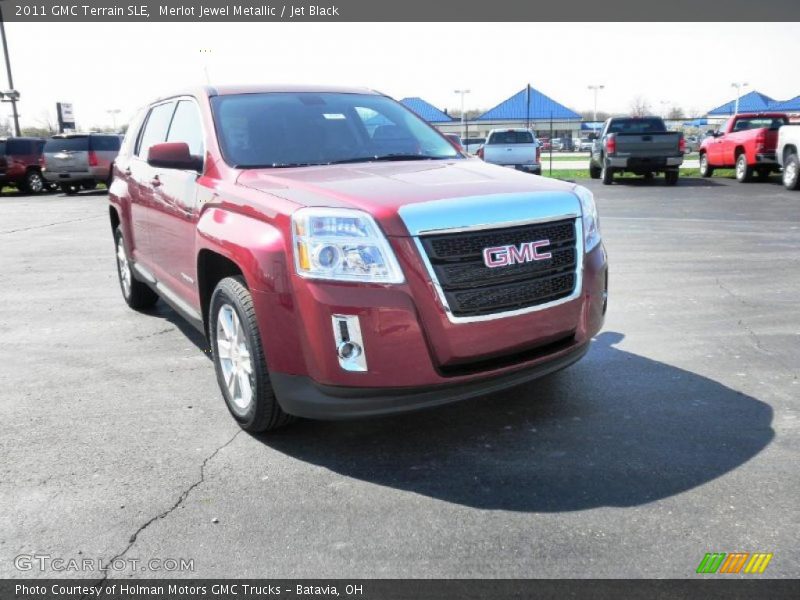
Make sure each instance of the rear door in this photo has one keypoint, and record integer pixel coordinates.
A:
(175, 210)
(65, 156)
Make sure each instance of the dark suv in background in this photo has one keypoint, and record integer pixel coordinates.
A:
(78, 161)
(21, 164)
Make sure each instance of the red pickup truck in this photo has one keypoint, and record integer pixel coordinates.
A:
(343, 258)
(745, 142)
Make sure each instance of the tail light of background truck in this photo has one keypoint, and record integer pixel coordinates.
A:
(682, 145)
(761, 141)
(611, 144)
(93, 162)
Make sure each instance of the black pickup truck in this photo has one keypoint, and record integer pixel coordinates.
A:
(640, 145)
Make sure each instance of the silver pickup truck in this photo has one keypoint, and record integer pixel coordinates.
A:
(515, 148)
(639, 145)
(788, 154)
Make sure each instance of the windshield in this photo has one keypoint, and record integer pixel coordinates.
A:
(298, 129)
(61, 144)
(637, 126)
(510, 137)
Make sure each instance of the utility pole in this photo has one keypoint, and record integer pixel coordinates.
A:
(114, 112)
(13, 97)
(595, 88)
(528, 107)
(463, 116)
(739, 87)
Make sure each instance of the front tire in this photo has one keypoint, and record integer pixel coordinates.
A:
(791, 172)
(744, 172)
(706, 170)
(135, 293)
(33, 183)
(239, 359)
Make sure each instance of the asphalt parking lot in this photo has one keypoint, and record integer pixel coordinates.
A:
(677, 435)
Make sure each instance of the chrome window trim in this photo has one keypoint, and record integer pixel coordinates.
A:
(557, 211)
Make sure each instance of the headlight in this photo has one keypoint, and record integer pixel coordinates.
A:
(591, 220)
(343, 245)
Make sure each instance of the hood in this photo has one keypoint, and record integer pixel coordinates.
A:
(381, 189)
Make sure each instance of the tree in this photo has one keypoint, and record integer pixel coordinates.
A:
(640, 107)
(588, 115)
(676, 113)
(470, 114)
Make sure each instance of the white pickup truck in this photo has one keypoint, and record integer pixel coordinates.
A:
(516, 148)
(788, 154)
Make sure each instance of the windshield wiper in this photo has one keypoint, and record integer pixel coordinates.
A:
(389, 157)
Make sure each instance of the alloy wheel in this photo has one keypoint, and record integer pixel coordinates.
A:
(234, 358)
(124, 268)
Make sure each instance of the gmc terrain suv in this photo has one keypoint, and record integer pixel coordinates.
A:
(343, 258)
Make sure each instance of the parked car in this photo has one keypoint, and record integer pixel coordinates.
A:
(583, 144)
(692, 144)
(787, 152)
(471, 145)
(21, 163)
(515, 148)
(746, 142)
(639, 145)
(77, 161)
(545, 144)
(341, 272)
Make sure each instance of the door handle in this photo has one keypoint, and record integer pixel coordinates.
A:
(155, 181)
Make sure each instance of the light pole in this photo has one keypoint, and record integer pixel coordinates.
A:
(463, 116)
(596, 88)
(663, 104)
(739, 87)
(114, 112)
(15, 95)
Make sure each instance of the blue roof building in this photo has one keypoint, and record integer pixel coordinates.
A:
(792, 105)
(752, 102)
(426, 110)
(540, 108)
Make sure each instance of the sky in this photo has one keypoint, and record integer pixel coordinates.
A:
(122, 66)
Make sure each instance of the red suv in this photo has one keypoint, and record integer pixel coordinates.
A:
(21, 162)
(343, 258)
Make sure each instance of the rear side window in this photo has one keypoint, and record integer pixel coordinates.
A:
(155, 130)
(760, 123)
(108, 143)
(506, 138)
(67, 144)
(186, 127)
(21, 147)
(2, 148)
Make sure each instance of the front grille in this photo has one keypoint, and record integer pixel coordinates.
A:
(473, 289)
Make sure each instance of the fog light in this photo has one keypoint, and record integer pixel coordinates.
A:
(349, 344)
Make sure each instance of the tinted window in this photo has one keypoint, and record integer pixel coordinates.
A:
(186, 127)
(474, 140)
(760, 123)
(155, 130)
(637, 126)
(296, 129)
(105, 142)
(2, 148)
(510, 137)
(20, 147)
(70, 144)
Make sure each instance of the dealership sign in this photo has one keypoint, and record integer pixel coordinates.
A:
(66, 118)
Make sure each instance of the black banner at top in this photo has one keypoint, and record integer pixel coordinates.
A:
(398, 10)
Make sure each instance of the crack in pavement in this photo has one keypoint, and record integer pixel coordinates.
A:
(163, 514)
(50, 224)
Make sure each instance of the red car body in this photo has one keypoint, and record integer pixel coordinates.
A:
(742, 144)
(185, 230)
(21, 163)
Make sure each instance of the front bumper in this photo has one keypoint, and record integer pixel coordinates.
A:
(301, 396)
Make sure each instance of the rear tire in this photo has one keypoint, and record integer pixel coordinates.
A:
(607, 174)
(791, 172)
(33, 183)
(706, 170)
(239, 359)
(135, 293)
(594, 171)
(744, 172)
(89, 185)
(70, 189)
(671, 177)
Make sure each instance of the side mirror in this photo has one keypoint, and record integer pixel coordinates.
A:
(173, 155)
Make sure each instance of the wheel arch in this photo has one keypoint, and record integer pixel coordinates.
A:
(213, 267)
(788, 150)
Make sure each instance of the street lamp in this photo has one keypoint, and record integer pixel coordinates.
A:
(596, 88)
(463, 116)
(739, 87)
(12, 94)
(114, 112)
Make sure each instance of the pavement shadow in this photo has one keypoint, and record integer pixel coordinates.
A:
(616, 429)
(658, 181)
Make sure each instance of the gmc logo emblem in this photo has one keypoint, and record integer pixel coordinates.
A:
(503, 256)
